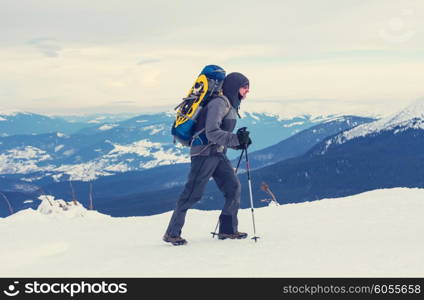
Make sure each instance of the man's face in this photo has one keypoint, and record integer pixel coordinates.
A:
(243, 91)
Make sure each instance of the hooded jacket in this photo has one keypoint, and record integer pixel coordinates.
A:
(219, 118)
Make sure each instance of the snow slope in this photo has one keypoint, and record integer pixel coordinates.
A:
(374, 234)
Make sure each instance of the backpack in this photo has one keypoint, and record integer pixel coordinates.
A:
(207, 86)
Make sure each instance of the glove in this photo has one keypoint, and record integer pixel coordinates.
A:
(240, 147)
(244, 139)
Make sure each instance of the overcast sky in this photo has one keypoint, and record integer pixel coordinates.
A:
(80, 56)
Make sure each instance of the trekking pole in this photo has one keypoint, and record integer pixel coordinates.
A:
(238, 164)
(251, 197)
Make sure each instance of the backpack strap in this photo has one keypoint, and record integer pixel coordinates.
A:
(200, 136)
(229, 105)
(226, 102)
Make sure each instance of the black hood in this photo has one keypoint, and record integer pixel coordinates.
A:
(232, 83)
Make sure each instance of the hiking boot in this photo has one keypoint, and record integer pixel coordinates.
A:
(176, 241)
(235, 235)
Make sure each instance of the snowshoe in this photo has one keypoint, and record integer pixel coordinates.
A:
(176, 241)
(236, 235)
(207, 85)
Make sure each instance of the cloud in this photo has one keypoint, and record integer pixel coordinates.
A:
(148, 61)
(48, 47)
(151, 52)
(97, 76)
(123, 102)
(46, 99)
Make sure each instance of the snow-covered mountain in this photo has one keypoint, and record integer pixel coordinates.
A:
(138, 143)
(386, 159)
(383, 154)
(412, 117)
(303, 141)
(18, 122)
(99, 150)
(374, 234)
(132, 183)
(34, 163)
(99, 118)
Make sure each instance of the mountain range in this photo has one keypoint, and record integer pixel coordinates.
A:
(143, 195)
(335, 158)
(382, 154)
(150, 179)
(15, 122)
(105, 149)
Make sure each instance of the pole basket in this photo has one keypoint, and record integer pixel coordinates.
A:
(256, 238)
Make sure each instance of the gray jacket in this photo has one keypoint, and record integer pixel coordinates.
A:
(219, 119)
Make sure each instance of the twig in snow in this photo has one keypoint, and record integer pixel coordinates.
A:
(42, 193)
(8, 203)
(266, 189)
(90, 207)
(74, 199)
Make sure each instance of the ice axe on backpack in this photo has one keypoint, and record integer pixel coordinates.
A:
(244, 151)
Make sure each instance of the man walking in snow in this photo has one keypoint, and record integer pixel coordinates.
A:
(215, 125)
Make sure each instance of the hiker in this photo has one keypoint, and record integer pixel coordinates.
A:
(210, 159)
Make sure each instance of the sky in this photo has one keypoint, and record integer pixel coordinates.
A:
(301, 56)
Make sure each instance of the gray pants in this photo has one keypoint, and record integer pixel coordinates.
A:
(202, 168)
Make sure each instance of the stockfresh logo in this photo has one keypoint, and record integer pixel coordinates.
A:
(11, 290)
